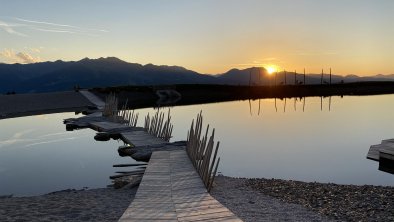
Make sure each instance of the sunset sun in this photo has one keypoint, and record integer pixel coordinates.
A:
(271, 69)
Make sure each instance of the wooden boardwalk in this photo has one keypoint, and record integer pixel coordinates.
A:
(135, 136)
(383, 150)
(93, 99)
(171, 190)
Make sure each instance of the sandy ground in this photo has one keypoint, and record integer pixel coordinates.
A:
(104, 204)
(41, 103)
(249, 199)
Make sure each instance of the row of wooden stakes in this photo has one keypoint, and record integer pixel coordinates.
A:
(200, 150)
(158, 126)
(129, 117)
(111, 106)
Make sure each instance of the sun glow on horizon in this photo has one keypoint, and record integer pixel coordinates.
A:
(271, 69)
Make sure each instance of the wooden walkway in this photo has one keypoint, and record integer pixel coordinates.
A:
(171, 190)
(384, 150)
(93, 99)
(135, 136)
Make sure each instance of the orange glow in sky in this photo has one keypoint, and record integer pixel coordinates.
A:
(351, 37)
(271, 69)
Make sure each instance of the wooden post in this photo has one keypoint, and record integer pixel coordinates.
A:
(285, 77)
(276, 73)
(200, 152)
(295, 77)
(250, 76)
(260, 76)
(321, 79)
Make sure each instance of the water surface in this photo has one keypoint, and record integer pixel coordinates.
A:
(319, 141)
(38, 155)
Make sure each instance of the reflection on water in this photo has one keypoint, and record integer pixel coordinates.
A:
(295, 99)
(37, 156)
(326, 141)
(323, 139)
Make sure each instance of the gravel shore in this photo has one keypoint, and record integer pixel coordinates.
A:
(249, 199)
(340, 202)
(279, 200)
(251, 205)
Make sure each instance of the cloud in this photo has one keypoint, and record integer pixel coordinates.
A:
(58, 28)
(45, 23)
(26, 58)
(321, 53)
(9, 28)
(21, 57)
(44, 26)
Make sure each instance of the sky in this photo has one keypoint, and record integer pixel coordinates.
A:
(207, 36)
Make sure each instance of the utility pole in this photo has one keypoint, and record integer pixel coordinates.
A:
(304, 77)
(330, 78)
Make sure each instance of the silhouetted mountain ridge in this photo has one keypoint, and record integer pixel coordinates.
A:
(111, 71)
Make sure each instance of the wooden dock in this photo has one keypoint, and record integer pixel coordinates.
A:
(174, 185)
(172, 190)
(384, 150)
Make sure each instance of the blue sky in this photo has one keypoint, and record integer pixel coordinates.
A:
(351, 36)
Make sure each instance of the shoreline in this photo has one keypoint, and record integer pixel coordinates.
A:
(250, 199)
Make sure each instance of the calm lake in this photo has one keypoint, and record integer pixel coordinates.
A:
(324, 140)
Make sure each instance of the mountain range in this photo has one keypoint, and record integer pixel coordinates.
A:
(111, 71)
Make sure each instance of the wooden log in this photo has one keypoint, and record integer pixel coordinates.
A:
(129, 165)
(127, 174)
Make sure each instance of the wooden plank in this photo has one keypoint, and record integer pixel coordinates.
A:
(171, 190)
(386, 154)
(373, 153)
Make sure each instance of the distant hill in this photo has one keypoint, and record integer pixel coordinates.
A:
(111, 71)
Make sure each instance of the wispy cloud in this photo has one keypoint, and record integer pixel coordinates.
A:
(9, 28)
(15, 23)
(59, 25)
(311, 53)
(53, 30)
(44, 23)
(265, 62)
(21, 57)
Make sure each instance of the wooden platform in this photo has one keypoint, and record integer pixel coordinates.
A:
(140, 138)
(171, 190)
(135, 136)
(383, 150)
